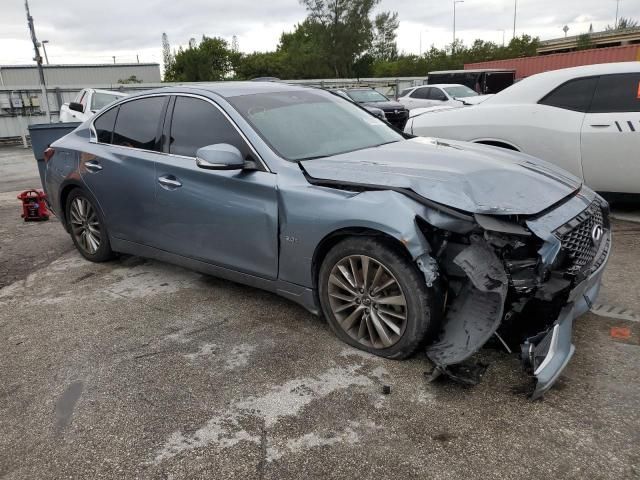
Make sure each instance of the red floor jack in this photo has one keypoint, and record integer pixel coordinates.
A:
(34, 205)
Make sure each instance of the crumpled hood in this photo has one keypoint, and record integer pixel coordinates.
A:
(466, 176)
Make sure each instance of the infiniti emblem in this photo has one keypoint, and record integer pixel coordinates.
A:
(596, 234)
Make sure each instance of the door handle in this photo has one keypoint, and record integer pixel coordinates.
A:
(93, 166)
(169, 181)
(601, 125)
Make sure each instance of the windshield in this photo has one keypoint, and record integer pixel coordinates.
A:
(362, 96)
(460, 91)
(301, 125)
(101, 100)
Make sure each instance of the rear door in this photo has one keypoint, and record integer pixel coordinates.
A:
(227, 218)
(119, 166)
(611, 135)
(419, 98)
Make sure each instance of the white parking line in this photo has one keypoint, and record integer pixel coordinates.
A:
(611, 311)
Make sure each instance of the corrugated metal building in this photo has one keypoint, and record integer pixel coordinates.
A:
(528, 66)
(81, 75)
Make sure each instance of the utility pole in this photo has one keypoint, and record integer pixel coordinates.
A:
(617, 10)
(453, 45)
(38, 60)
(114, 58)
(515, 14)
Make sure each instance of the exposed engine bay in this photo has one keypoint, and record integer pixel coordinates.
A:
(518, 287)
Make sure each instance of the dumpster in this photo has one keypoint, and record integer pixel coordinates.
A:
(44, 134)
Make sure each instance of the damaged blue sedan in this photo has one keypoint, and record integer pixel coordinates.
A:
(401, 243)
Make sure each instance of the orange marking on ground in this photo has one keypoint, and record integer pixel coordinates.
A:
(623, 333)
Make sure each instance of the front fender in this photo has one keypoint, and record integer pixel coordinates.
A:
(310, 215)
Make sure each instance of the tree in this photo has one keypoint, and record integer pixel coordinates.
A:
(129, 79)
(303, 53)
(384, 36)
(167, 57)
(345, 30)
(584, 42)
(623, 24)
(210, 60)
(235, 47)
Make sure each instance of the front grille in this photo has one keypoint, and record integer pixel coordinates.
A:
(398, 119)
(576, 237)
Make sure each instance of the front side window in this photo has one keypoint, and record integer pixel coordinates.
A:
(196, 124)
(405, 92)
(101, 100)
(574, 95)
(366, 96)
(301, 125)
(437, 94)
(617, 93)
(104, 125)
(421, 93)
(137, 123)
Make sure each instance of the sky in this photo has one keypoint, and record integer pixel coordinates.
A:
(81, 31)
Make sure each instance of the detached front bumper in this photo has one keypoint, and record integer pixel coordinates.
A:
(548, 353)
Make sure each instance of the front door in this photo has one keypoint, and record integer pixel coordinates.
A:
(611, 135)
(118, 167)
(227, 218)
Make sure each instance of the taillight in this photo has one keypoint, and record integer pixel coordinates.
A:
(48, 153)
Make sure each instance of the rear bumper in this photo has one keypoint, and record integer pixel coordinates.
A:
(548, 353)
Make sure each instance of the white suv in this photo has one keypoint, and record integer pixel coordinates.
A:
(584, 119)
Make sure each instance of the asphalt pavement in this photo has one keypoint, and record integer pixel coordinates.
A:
(140, 369)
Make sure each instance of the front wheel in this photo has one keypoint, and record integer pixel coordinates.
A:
(374, 298)
(87, 227)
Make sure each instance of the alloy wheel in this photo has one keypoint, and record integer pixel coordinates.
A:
(85, 225)
(367, 301)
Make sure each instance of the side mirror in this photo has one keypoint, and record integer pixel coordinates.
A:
(77, 107)
(220, 156)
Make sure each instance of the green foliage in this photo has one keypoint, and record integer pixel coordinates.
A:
(210, 60)
(623, 24)
(584, 42)
(343, 31)
(130, 79)
(337, 39)
(384, 36)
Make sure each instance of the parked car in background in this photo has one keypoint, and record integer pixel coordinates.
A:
(399, 242)
(485, 81)
(87, 102)
(439, 95)
(584, 119)
(395, 113)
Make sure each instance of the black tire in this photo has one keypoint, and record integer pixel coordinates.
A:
(103, 251)
(420, 308)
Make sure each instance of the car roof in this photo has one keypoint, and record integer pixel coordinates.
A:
(109, 92)
(476, 70)
(441, 85)
(235, 89)
(533, 88)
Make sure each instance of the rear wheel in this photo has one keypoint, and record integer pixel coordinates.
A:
(87, 227)
(374, 298)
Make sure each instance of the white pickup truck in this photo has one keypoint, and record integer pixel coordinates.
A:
(87, 103)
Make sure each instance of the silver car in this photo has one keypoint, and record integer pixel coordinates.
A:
(401, 243)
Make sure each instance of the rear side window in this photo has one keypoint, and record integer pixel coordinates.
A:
(137, 123)
(104, 125)
(196, 124)
(617, 93)
(574, 95)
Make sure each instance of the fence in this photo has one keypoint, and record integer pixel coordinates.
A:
(20, 107)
